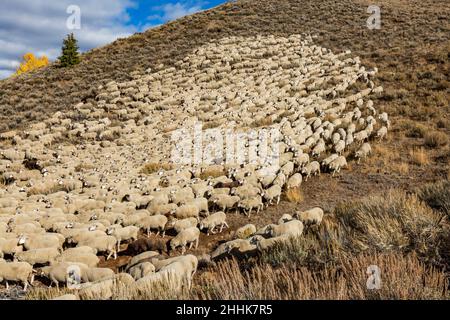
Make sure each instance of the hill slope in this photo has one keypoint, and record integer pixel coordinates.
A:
(413, 41)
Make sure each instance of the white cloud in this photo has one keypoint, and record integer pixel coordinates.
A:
(173, 11)
(39, 26)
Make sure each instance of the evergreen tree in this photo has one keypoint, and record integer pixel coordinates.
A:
(70, 55)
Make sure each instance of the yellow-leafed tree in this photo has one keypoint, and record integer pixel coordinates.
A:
(30, 62)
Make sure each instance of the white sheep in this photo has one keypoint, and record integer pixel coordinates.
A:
(16, 271)
(225, 202)
(9, 246)
(274, 192)
(186, 211)
(123, 234)
(311, 216)
(157, 222)
(98, 274)
(105, 244)
(294, 181)
(141, 270)
(363, 152)
(245, 232)
(38, 256)
(38, 241)
(185, 237)
(290, 228)
(285, 218)
(337, 164)
(382, 133)
(312, 168)
(249, 204)
(213, 221)
(180, 225)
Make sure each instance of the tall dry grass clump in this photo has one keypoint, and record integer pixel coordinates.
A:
(393, 222)
(437, 196)
(294, 195)
(401, 278)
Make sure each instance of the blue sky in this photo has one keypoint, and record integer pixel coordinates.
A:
(39, 26)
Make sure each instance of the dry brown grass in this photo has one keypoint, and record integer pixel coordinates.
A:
(419, 156)
(402, 277)
(436, 139)
(294, 195)
(392, 222)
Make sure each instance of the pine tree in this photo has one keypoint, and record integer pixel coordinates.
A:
(70, 55)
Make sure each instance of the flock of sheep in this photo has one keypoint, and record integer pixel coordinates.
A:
(72, 187)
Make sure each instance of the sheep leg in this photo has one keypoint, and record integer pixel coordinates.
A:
(196, 243)
(157, 234)
(7, 285)
(32, 279)
(183, 249)
(190, 245)
(25, 285)
(149, 232)
(278, 200)
(115, 255)
(164, 233)
(109, 256)
(118, 246)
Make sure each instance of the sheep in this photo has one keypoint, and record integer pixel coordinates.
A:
(360, 136)
(213, 221)
(123, 234)
(102, 244)
(37, 256)
(382, 133)
(98, 274)
(184, 268)
(311, 168)
(75, 236)
(326, 162)
(163, 209)
(41, 241)
(143, 245)
(294, 181)
(186, 211)
(339, 147)
(61, 272)
(140, 258)
(225, 202)
(285, 218)
(311, 216)
(249, 204)
(16, 271)
(301, 160)
(182, 196)
(179, 225)
(263, 244)
(157, 222)
(274, 192)
(245, 232)
(9, 246)
(27, 228)
(141, 270)
(290, 228)
(237, 247)
(363, 152)
(245, 191)
(187, 236)
(337, 164)
(201, 204)
(85, 255)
